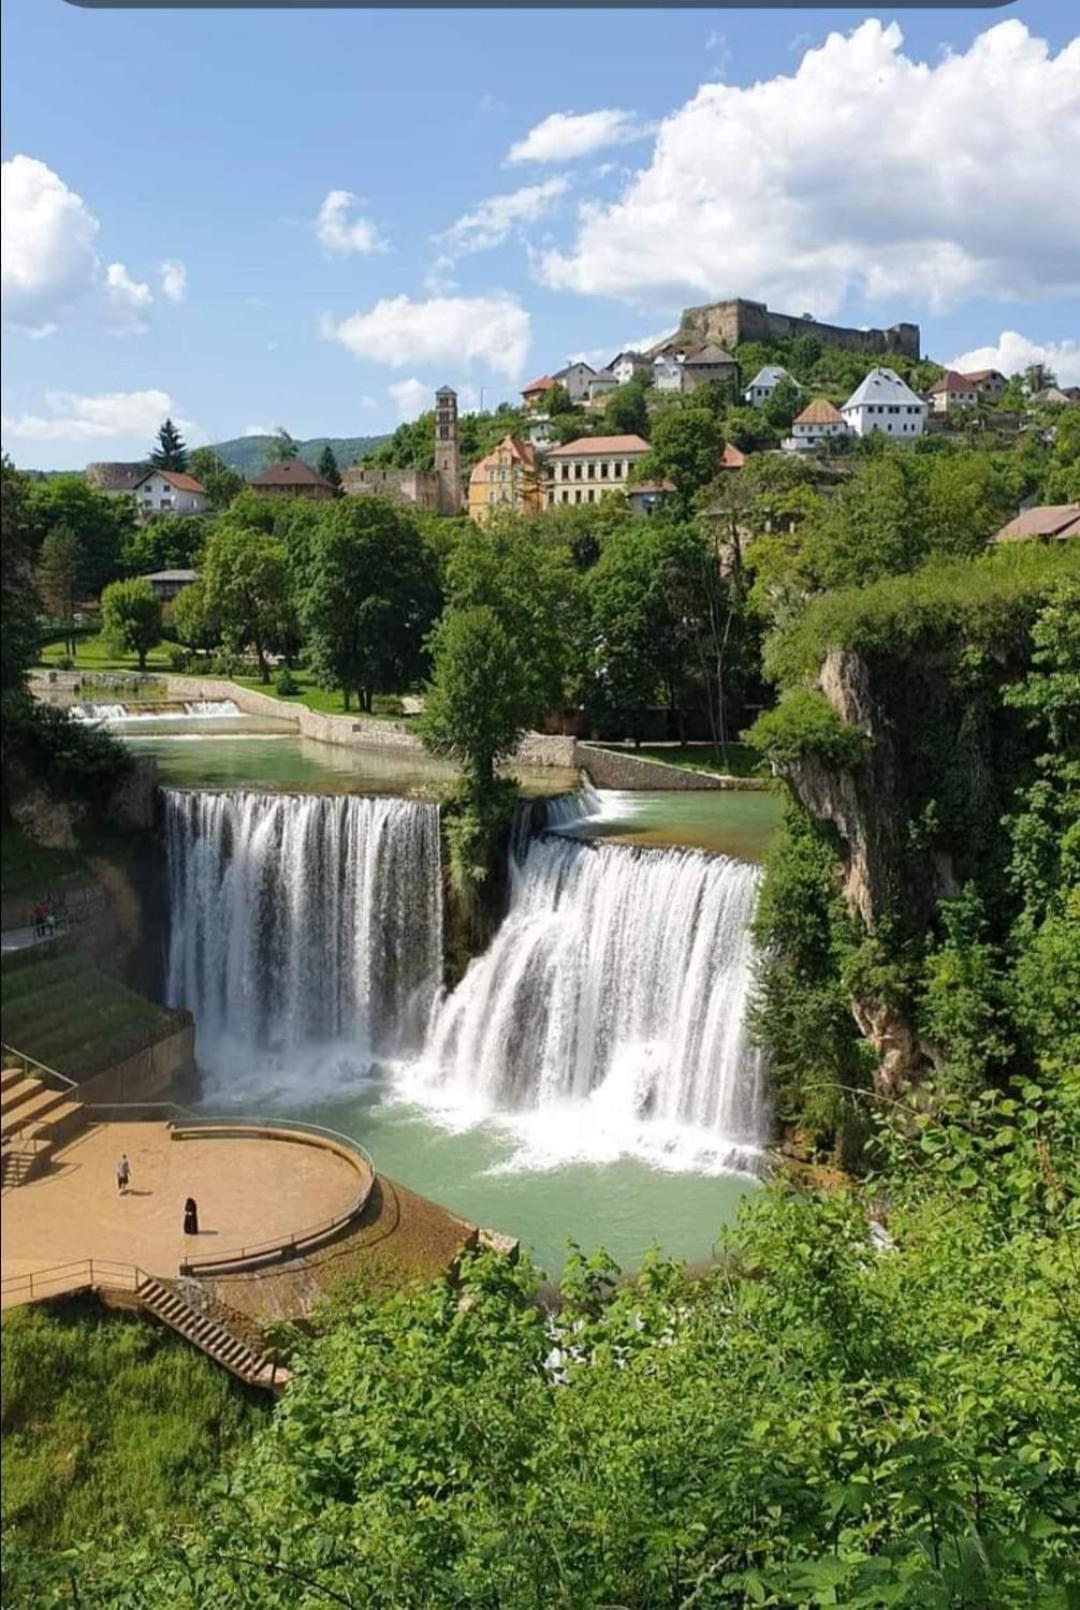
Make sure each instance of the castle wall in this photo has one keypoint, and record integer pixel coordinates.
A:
(729, 323)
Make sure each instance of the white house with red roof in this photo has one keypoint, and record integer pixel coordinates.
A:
(953, 393)
(169, 492)
(818, 422)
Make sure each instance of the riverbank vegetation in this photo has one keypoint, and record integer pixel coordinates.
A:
(871, 1400)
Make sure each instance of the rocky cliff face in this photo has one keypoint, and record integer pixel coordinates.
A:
(865, 809)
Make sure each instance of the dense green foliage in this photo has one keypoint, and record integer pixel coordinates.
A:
(816, 1421)
(131, 618)
(109, 1422)
(366, 589)
(245, 589)
(77, 1018)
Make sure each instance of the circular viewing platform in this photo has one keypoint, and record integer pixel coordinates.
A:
(264, 1192)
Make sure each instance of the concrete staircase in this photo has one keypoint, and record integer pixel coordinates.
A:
(34, 1121)
(162, 1300)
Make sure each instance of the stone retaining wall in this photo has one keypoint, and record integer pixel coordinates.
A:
(611, 768)
(150, 1073)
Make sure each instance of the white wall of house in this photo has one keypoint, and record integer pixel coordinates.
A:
(626, 368)
(803, 438)
(667, 372)
(575, 380)
(156, 496)
(901, 420)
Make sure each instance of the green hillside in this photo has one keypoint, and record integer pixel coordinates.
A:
(247, 455)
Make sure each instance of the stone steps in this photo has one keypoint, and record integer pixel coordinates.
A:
(34, 1120)
(206, 1333)
(18, 1088)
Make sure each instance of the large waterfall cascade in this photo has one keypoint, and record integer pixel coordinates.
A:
(618, 979)
(611, 1000)
(300, 922)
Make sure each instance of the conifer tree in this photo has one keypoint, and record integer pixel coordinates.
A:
(170, 452)
(328, 467)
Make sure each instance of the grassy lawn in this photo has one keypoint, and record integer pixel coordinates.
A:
(94, 655)
(94, 658)
(60, 1009)
(109, 1421)
(738, 760)
(29, 872)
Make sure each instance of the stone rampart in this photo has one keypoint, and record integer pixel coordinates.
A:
(731, 322)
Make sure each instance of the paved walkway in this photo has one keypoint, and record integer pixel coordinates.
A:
(247, 1190)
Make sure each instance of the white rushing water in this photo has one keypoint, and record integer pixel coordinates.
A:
(607, 1015)
(203, 708)
(305, 932)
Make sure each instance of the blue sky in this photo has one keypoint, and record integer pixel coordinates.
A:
(349, 223)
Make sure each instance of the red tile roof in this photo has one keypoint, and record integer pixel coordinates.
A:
(1057, 520)
(600, 444)
(545, 383)
(290, 472)
(731, 458)
(524, 452)
(175, 478)
(820, 412)
(951, 381)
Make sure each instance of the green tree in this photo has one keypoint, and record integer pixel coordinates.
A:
(194, 625)
(367, 590)
(211, 471)
(686, 444)
(131, 618)
(170, 452)
(781, 408)
(626, 412)
(165, 542)
(103, 524)
(481, 698)
(18, 601)
(60, 565)
(280, 447)
(245, 587)
(328, 467)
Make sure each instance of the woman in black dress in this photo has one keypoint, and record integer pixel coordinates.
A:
(191, 1217)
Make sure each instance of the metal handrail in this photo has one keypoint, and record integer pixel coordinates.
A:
(50, 1275)
(281, 1247)
(32, 1062)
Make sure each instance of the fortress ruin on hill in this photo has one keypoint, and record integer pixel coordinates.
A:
(735, 321)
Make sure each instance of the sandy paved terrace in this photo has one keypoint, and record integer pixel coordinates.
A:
(247, 1191)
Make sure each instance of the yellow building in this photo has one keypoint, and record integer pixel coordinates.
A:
(507, 479)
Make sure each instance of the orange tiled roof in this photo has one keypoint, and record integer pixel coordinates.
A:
(600, 444)
(820, 412)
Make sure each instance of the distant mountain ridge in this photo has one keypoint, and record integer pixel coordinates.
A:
(247, 455)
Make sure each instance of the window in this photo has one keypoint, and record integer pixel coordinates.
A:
(616, 470)
(592, 495)
(578, 472)
(592, 470)
(604, 470)
(577, 497)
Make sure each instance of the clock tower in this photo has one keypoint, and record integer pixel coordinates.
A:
(447, 452)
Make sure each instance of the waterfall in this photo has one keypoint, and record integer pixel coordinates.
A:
(97, 712)
(610, 1006)
(302, 925)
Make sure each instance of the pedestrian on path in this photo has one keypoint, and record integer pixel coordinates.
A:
(191, 1217)
(123, 1174)
(39, 919)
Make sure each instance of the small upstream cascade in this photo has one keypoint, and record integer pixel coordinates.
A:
(305, 930)
(161, 711)
(608, 1012)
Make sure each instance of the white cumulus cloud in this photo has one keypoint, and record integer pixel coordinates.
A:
(411, 397)
(458, 330)
(339, 228)
(863, 172)
(127, 302)
(1012, 353)
(173, 281)
(112, 416)
(565, 135)
(491, 221)
(48, 250)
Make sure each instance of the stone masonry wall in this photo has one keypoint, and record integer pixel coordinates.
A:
(151, 1073)
(608, 768)
(732, 322)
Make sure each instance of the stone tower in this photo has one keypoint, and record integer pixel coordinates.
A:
(447, 452)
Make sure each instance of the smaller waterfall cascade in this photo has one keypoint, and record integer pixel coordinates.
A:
(300, 922)
(613, 995)
(165, 711)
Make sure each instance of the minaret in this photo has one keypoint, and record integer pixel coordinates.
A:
(447, 454)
